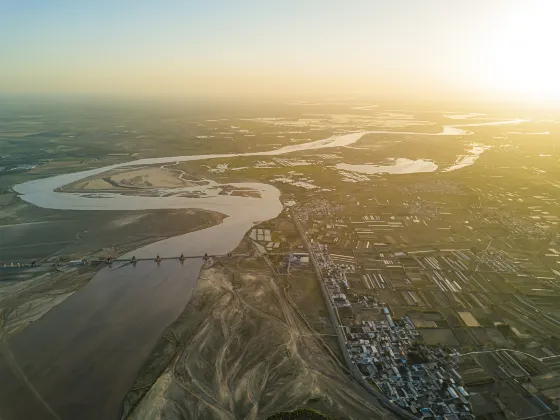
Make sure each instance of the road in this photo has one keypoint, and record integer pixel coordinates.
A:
(540, 359)
(335, 320)
(540, 416)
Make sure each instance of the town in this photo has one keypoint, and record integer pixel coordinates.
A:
(437, 331)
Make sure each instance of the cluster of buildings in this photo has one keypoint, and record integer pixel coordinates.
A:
(417, 378)
(334, 275)
(319, 208)
(465, 274)
(390, 355)
(535, 225)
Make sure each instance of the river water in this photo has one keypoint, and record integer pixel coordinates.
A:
(81, 358)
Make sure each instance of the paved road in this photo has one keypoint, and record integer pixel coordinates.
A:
(380, 399)
(540, 359)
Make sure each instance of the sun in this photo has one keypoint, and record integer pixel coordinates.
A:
(522, 53)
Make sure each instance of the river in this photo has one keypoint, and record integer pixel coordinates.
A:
(81, 358)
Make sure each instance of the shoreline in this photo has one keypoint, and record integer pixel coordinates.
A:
(129, 310)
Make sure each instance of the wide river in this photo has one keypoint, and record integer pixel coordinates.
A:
(80, 359)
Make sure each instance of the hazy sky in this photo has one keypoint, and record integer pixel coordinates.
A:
(417, 48)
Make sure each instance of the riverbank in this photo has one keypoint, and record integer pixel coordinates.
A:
(240, 350)
(24, 302)
(26, 294)
(109, 318)
(84, 355)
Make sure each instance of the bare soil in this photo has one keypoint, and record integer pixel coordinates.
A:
(242, 349)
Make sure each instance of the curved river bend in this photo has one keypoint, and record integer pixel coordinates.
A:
(82, 357)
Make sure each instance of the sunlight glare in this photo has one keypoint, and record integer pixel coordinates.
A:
(522, 57)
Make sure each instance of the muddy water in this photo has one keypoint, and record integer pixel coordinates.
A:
(80, 359)
(83, 356)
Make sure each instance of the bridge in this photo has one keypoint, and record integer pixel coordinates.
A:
(182, 257)
(157, 258)
(132, 260)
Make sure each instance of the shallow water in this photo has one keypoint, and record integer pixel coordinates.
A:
(401, 166)
(82, 357)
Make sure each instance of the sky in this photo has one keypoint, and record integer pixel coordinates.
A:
(424, 49)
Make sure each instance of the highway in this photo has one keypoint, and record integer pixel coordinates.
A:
(538, 416)
(335, 320)
(540, 359)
